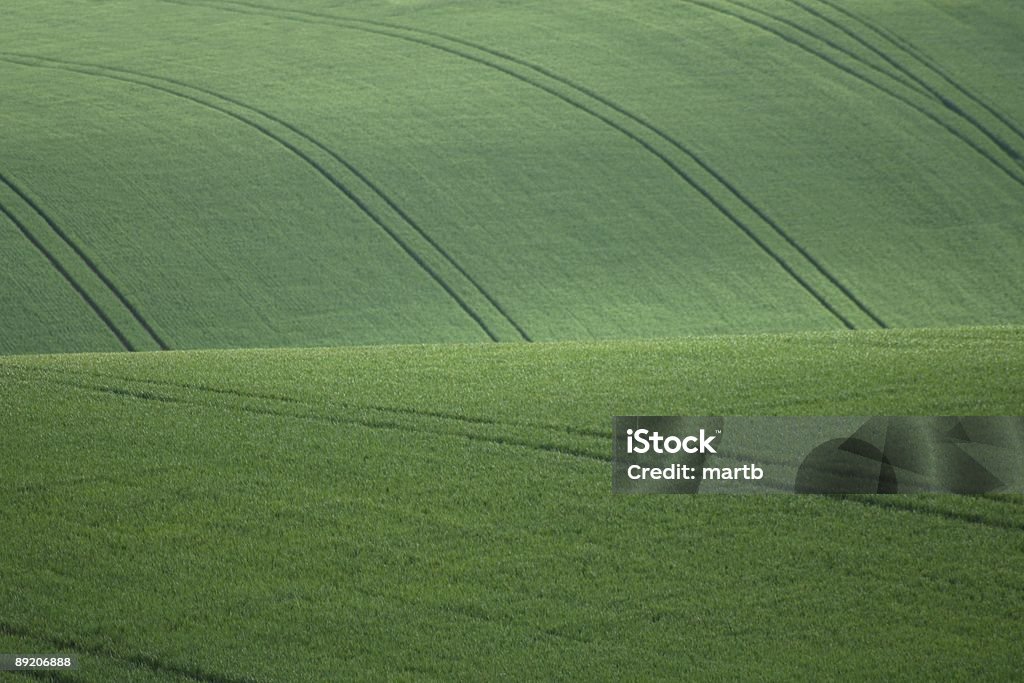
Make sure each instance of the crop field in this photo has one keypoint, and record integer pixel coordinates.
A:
(224, 174)
(444, 512)
(255, 257)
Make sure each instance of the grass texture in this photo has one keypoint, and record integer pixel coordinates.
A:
(313, 218)
(444, 512)
(313, 173)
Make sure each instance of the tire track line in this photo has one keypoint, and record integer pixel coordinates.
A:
(902, 75)
(852, 72)
(696, 158)
(290, 400)
(323, 418)
(135, 394)
(890, 504)
(915, 53)
(377, 189)
(330, 20)
(66, 238)
(647, 125)
(145, 661)
(98, 72)
(899, 76)
(100, 313)
(923, 86)
(374, 187)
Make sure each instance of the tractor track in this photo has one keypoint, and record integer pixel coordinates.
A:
(902, 75)
(238, 393)
(89, 263)
(892, 503)
(1008, 172)
(100, 313)
(917, 55)
(52, 377)
(387, 199)
(144, 80)
(428, 39)
(154, 397)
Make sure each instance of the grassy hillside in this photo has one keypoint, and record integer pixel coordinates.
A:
(445, 512)
(313, 218)
(217, 173)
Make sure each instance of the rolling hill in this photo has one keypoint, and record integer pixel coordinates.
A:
(310, 174)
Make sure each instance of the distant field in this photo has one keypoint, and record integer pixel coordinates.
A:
(216, 173)
(445, 512)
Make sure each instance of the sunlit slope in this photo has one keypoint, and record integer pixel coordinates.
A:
(442, 511)
(315, 173)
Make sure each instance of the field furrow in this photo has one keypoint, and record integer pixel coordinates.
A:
(153, 82)
(892, 69)
(1011, 172)
(893, 40)
(318, 320)
(788, 254)
(200, 555)
(132, 331)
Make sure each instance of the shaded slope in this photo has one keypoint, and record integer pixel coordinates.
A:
(217, 246)
(542, 172)
(45, 312)
(907, 213)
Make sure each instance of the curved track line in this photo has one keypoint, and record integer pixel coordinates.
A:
(644, 123)
(865, 499)
(696, 158)
(391, 203)
(325, 418)
(143, 661)
(915, 53)
(760, 213)
(88, 262)
(396, 410)
(903, 75)
(67, 277)
(261, 10)
(125, 388)
(122, 392)
(881, 88)
(92, 70)
(899, 76)
(291, 400)
(334, 155)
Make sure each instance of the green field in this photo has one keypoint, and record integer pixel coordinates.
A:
(323, 175)
(313, 219)
(444, 512)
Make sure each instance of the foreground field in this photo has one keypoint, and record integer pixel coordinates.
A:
(444, 512)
